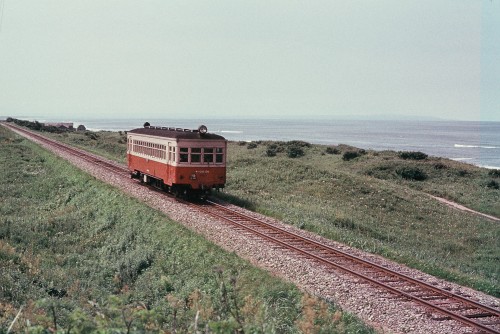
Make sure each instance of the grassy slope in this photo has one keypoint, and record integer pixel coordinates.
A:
(67, 239)
(365, 203)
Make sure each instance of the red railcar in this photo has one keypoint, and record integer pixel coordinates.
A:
(182, 161)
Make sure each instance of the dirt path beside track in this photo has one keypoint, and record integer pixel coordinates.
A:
(463, 208)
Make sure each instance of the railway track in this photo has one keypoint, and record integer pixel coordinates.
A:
(92, 158)
(478, 317)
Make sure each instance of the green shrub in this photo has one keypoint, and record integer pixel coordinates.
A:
(271, 152)
(494, 172)
(493, 185)
(298, 143)
(37, 126)
(252, 145)
(411, 173)
(440, 165)
(294, 151)
(332, 150)
(412, 155)
(92, 135)
(349, 155)
(276, 146)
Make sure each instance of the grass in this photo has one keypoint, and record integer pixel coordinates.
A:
(365, 201)
(81, 256)
(112, 145)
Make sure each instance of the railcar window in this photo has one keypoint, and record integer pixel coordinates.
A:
(219, 155)
(183, 156)
(163, 151)
(156, 150)
(171, 153)
(208, 155)
(195, 155)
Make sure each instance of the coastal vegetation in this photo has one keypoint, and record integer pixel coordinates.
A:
(377, 201)
(364, 201)
(79, 256)
(37, 126)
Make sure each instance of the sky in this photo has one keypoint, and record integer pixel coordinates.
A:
(250, 59)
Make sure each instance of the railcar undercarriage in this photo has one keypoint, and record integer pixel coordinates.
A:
(178, 190)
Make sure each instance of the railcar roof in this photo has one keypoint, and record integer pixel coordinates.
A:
(176, 133)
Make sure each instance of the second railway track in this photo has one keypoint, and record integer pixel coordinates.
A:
(478, 317)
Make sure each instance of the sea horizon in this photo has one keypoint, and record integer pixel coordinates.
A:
(473, 142)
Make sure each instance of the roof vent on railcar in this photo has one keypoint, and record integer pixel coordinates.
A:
(202, 129)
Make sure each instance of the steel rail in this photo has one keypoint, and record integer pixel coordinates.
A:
(453, 297)
(358, 259)
(92, 158)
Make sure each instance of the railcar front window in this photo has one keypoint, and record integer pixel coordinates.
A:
(208, 155)
(184, 155)
(219, 155)
(195, 155)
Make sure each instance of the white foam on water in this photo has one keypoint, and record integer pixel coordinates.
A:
(489, 167)
(461, 159)
(474, 146)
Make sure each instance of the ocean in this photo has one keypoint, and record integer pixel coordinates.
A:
(476, 143)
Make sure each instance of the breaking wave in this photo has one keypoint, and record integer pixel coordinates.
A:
(474, 146)
(489, 167)
(461, 159)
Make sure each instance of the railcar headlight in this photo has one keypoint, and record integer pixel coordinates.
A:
(193, 177)
(202, 129)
